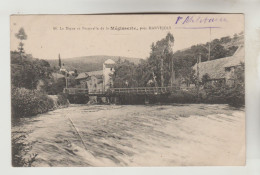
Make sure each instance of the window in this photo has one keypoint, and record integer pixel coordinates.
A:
(227, 69)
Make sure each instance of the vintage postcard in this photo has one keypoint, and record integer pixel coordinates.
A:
(128, 90)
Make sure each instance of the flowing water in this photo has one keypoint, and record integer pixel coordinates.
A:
(151, 135)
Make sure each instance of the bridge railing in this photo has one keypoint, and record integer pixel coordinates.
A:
(97, 92)
(83, 91)
(133, 90)
(142, 90)
(75, 91)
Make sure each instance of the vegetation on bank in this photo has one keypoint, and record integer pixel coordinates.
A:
(26, 102)
(165, 68)
(31, 84)
(233, 94)
(20, 149)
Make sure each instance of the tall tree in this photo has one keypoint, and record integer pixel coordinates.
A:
(21, 35)
(59, 61)
(125, 74)
(235, 94)
(28, 72)
(160, 59)
(75, 72)
(219, 51)
(156, 70)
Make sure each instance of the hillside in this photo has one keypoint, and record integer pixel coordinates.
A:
(220, 48)
(89, 63)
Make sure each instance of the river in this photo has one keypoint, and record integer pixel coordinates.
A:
(134, 135)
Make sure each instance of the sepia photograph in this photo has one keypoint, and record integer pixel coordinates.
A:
(127, 90)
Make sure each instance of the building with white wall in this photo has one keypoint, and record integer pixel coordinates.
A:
(108, 71)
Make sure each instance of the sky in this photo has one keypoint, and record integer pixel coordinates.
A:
(85, 35)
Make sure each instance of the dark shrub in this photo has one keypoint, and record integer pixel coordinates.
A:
(63, 99)
(214, 93)
(27, 102)
(189, 96)
(232, 92)
(21, 149)
(26, 72)
(56, 86)
(78, 98)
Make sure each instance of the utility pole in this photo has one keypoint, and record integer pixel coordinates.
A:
(162, 80)
(209, 42)
(198, 74)
(66, 78)
(172, 73)
(59, 61)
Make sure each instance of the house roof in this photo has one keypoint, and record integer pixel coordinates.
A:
(99, 76)
(239, 56)
(216, 68)
(85, 75)
(57, 75)
(82, 75)
(109, 61)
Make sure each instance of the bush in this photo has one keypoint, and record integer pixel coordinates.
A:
(27, 102)
(20, 150)
(78, 99)
(56, 86)
(232, 95)
(184, 96)
(235, 96)
(63, 99)
(26, 72)
(231, 92)
(214, 93)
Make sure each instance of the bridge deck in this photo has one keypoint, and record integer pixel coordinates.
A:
(123, 91)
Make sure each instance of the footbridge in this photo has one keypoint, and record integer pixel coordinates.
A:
(124, 91)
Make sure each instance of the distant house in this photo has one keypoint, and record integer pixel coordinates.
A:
(221, 70)
(93, 81)
(64, 69)
(97, 81)
(82, 79)
(71, 72)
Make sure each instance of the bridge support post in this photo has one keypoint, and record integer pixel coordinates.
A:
(146, 100)
(93, 99)
(108, 100)
(117, 101)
